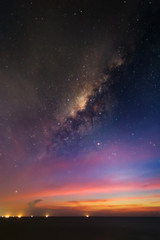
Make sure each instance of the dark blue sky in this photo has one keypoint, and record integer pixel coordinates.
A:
(79, 107)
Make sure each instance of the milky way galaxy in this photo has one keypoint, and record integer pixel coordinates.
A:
(79, 108)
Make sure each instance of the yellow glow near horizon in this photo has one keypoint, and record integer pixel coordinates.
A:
(7, 216)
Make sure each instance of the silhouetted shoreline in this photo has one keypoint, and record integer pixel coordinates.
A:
(95, 228)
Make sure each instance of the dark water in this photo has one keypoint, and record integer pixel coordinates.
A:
(94, 228)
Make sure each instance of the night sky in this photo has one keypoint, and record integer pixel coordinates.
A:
(80, 107)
